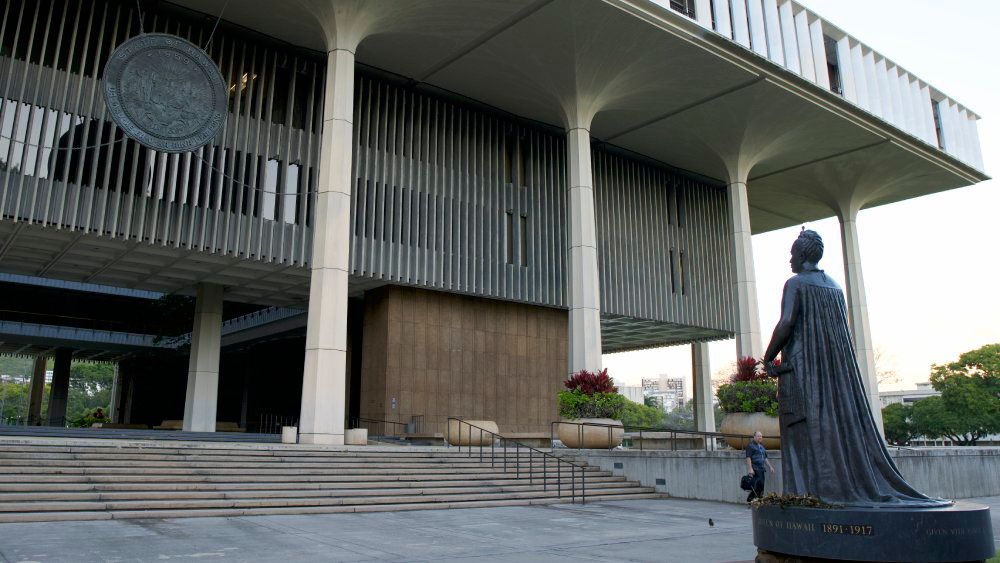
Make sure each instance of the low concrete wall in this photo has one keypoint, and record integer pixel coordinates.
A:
(939, 472)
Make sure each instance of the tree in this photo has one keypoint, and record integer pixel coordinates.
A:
(969, 406)
(644, 416)
(650, 402)
(897, 419)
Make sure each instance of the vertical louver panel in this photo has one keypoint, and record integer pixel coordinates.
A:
(662, 244)
(450, 197)
(64, 163)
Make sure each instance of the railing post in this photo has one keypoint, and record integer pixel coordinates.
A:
(559, 479)
(447, 431)
(572, 484)
(505, 457)
(493, 452)
(583, 485)
(545, 473)
(480, 442)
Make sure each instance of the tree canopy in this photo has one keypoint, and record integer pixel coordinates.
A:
(969, 406)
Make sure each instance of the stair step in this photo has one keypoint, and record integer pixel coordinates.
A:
(41, 482)
(75, 496)
(186, 504)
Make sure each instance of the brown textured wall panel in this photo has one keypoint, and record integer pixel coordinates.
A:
(444, 355)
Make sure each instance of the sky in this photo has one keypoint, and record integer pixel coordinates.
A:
(931, 264)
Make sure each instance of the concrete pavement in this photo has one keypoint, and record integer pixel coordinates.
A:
(639, 530)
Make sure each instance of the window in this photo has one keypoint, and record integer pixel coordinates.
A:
(936, 110)
(524, 240)
(833, 65)
(685, 7)
(510, 237)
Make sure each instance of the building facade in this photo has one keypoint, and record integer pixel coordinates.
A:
(443, 208)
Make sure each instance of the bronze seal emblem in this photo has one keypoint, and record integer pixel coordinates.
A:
(165, 92)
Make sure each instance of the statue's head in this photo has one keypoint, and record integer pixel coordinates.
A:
(807, 249)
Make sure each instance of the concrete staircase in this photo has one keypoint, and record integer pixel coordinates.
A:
(46, 480)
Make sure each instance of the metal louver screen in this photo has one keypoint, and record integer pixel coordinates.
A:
(64, 164)
(663, 245)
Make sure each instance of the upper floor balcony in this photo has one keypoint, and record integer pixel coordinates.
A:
(791, 36)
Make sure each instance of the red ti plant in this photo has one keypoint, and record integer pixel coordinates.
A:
(752, 369)
(591, 382)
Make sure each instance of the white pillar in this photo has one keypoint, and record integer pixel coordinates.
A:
(203, 368)
(324, 398)
(584, 290)
(819, 52)
(745, 285)
(857, 309)
(704, 411)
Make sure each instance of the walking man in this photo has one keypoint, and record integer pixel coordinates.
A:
(756, 462)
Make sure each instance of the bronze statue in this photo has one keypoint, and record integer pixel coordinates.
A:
(830, 445)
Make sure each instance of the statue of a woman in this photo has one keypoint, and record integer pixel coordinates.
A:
(830, 446)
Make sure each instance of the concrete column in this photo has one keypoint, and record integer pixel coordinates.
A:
(116, 396)
(324, 397)
(704, 412)
(36, 392)
(584, 290)
(203, 368)
(857, 308)
(748, 341)
(59, 391)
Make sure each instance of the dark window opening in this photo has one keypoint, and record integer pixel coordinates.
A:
(524, 240)
(833, 65)
(683, 273)
(673, 273)
(936, 110)
(685, 7)
(510, 237)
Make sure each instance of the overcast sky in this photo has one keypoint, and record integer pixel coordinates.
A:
(931, 264)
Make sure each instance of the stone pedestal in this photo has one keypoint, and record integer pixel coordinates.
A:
(356, 437)
(957, 532)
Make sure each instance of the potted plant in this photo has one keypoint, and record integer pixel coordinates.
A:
(750, 401)
(591, 409)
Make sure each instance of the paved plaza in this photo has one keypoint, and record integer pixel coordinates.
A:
(640, 530)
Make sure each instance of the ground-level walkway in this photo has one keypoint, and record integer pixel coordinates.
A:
(640, 530)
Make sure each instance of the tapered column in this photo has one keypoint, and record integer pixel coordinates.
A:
(584, 288)
(744, 280)
(203, 368)
(857, 308)
(59, 390)
(704, 410)
(324, 397)
(36, 392)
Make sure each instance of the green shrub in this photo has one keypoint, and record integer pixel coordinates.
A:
(642, 416)
(749, 396)
(576, 404)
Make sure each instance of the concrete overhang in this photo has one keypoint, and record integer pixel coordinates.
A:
(644, 78)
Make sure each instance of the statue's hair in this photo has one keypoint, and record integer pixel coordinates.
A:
(811, 245)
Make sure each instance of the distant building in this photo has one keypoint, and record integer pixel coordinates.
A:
(907, 396)
(632, 393)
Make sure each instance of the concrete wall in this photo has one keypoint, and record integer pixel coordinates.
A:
(439, 355)
(939, 472)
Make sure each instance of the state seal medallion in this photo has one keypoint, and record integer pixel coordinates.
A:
(165, 92)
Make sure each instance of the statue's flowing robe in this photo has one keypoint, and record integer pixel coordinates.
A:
(830, 445)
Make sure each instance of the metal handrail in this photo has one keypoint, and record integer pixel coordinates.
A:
(357, 422)
(518, 446)
(709, 444)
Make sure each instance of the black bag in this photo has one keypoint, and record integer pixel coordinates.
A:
(746, 482)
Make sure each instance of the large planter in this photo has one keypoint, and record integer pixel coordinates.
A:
(744, 424)
(468, 433)
(575, 434)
